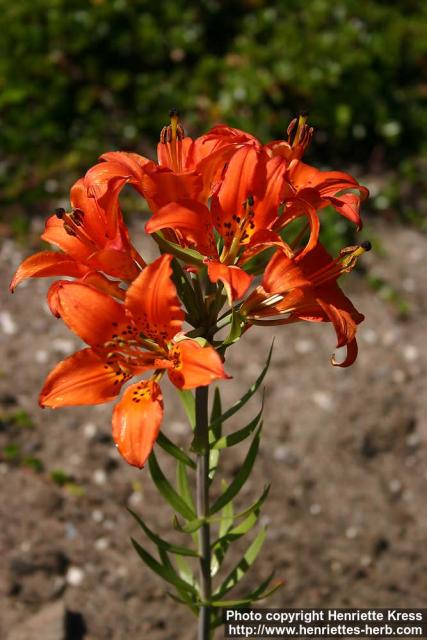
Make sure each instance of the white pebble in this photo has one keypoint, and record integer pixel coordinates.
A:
(179, 427)
(97, 515)
(315, 509)
(323, 400)
(351, 533)
(135, 499)
(101, 544)
(89, 430)
(410, 353)
(395, 486)
(369, 336)
(366, 561)
(62, 346)
(304, 346)
(390, 337)
(7, 323)
(413, 440)
(75, 576)
(99, 476)
(41, 356)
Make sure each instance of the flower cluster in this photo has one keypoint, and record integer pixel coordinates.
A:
(224, 208)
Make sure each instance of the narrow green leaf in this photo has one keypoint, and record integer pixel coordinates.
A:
(227, 516)
(229, 603)
(241, 476)
(255, 507)
(185, 571)
(188, 402)
(189, 602)
(167, 491)
(243, 566)
(160, 543)
(268, 593)
(213, 463)
(220, 547)
(260, 592)
(185, 290)
(183, 485)
(165, 573)
(237, 436)
(216, 423)
(247, 396)
(190, 527)
(171, 448)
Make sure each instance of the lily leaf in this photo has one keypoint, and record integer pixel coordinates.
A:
(243, 566)
(237, 436)
(162, 544)
(247, 396)
(241, 476)
(216, 422)
(164, 572)
(190, 527)
(183, 485)
(167, 491)
(189, 404)
(171, 448)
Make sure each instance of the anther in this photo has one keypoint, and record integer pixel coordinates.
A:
(59, 212)
(174, 113)
(366, 245)
(250, 200)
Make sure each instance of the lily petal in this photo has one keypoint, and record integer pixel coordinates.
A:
(152, 302)
(81, 379)
(191, 221)
(136, 421)
(194, 365)
(93, 315)
(45, 264)
(235, 280)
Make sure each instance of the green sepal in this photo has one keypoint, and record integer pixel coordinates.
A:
(189, 256)
(171, 448)
(166, 573)
(167, 490)
(163, 545)
(241, 476)
(236, 328)
(243, 566)
(188, 401)
(247, 396)
(237, 436)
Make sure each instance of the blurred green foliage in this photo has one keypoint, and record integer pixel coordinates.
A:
(78, 77)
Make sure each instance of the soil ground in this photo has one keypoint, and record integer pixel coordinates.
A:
(344, 450)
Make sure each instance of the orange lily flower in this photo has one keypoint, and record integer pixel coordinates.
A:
(304, 287)
(93, 240)
(293, 184)
(126, 340)
(186, 168)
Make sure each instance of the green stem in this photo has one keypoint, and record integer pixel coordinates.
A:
(202, 434)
